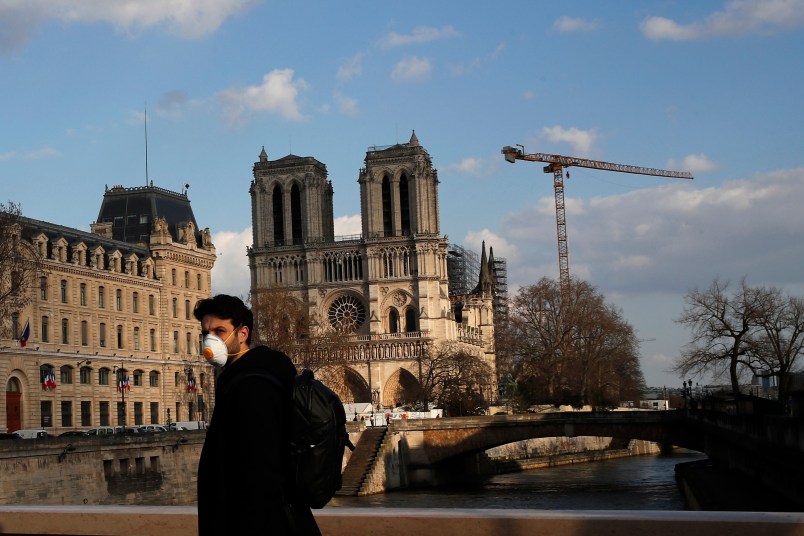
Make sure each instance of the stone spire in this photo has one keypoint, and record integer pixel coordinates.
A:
(414, 141)
(263, 155)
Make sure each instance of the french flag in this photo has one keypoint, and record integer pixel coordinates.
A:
(26, 332)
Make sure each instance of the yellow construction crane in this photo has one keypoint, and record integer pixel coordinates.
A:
(555, 165)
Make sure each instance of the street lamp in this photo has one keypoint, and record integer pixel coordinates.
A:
(120, 373)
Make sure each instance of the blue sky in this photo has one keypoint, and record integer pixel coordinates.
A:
(712, 87)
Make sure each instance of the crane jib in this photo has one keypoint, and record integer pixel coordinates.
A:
(567, 161)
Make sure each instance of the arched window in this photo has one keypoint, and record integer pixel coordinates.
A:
(404, 205)
(393, 321)
(279, 216)
(410, 320)
(103, 376)
(153, 378)
(387, 213)
(296, 214)
(66, 373)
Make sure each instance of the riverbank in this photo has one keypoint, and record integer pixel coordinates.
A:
(635, 448)
(705, 487)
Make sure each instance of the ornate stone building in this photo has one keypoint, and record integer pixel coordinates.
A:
(386, 288)
(111, 336)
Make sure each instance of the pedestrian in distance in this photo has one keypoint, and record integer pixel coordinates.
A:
(243, 480)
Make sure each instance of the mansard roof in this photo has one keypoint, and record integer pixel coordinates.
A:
(132, 211)
(32, 228)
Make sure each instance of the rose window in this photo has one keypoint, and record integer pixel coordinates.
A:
(347, 314)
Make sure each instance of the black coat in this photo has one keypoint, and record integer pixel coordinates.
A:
(246, 454)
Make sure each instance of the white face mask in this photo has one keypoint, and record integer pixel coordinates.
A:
(215, 350)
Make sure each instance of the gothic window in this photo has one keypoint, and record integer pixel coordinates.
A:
(393, 321)
(279, 216)
(296, 214)
(387, 213)
(410, 320)
(404, 205)
(347, 314)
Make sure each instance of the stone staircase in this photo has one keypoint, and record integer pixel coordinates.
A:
(362, 460)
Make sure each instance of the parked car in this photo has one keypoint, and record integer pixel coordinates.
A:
(152, 428)
(32, 433)
(12, 435)
(70, 433)
(101, 431)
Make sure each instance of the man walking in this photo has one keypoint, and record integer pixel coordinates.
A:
(242, 473)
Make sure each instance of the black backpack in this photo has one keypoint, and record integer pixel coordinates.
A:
(317, 441)
(318, 438)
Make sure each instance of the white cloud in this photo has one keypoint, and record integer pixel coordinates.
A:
(346, 105)
(739, 17)
(351, 68)
(478, 62)
(502, 248)
(469, 165)
(694, 163)
(277, 94)
(230, 275)
(581, 141)
(575, 24)
(412, 68)
(672, 237)
(420, 34)
(186, 18)
(36, 154)
(348, 225)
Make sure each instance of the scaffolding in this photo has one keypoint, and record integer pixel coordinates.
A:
(500, 269)
(463, 270)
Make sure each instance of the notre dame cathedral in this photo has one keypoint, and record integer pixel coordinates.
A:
(387, 289)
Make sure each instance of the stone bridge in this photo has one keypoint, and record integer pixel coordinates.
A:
(430, 441)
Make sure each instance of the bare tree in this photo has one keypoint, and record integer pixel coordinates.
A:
(283, 323)
(21, 264)
(454, 380)
(724, 329)
(571, 348)
(779, 341)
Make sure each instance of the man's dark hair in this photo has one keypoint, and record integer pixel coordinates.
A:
(226, 307)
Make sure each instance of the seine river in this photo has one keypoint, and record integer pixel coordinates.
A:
(633, 483)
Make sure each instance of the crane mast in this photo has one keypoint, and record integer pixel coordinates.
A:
(556, 164)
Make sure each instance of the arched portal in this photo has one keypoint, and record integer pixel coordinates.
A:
(402, 388)
(13, 405)
(348, 384)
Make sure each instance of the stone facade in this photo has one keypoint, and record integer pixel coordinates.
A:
(118, 298)
(386, 288)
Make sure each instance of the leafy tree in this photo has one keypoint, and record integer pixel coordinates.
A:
(569, 349)
(21, 264)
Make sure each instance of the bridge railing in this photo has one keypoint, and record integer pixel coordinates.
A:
(182, 521)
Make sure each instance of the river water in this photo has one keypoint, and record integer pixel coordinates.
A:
(632, 483)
